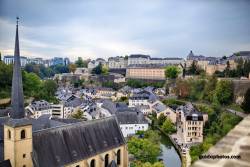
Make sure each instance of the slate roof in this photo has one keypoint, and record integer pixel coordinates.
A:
(18, 122)
(139, 56)
(191, 113)
(131, 118)
(159, 107)
(70, 143)
(74, 102)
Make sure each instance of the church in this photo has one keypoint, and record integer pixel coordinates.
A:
(44, 142)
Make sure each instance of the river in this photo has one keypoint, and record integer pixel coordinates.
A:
(169, 155)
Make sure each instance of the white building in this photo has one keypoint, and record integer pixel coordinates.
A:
(131, 122)
(94, 63)
(10, 60)
(36, 60)
(138, 59)
(141, 98)
(117, 62)
(42, 107)
(146, 59)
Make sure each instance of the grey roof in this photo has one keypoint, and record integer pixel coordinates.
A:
(190, 112)
(139, 56)
(40, 105)
(166, 58)
(74, 102)
(68, 144)
(131, 118)
(110, 106)
(17, 87)
(18, 122)
(159, 107)
(143, 95)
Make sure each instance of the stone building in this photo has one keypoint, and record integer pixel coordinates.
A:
(146, 71)
(190, 123)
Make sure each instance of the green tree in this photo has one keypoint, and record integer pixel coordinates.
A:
(31, 83)
(239, 67)
(246, 102)
(168, 126)
(5, 79)
(143, 150)
(147, 164)
(246, 68)
(72, 68)
(227, 70)
(105, 70)
(153, 136)
(97, 70)
(172, 72)
(81, 63)
(223, 92)
(50, 87)
(193, 69)
(0, 56)
(161, 119)
(78, 114)
(209, 88)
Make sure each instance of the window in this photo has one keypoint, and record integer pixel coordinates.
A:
(22, 134)
(9, 134)
(118, 157)
(92, 163)
(24, 155)
(106, 160)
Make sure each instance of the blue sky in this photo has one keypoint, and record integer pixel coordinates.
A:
(98, 28)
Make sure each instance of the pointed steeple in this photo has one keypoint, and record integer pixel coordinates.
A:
(17, 103)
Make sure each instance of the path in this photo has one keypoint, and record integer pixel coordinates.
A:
(240, 114)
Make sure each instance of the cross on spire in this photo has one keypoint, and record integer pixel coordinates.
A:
(17, 18)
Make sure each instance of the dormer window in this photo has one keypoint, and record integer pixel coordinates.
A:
(23, 134)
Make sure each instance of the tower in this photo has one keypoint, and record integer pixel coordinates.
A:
(17, 85)
(18, 130)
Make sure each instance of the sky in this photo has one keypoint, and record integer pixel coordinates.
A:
(98, 28)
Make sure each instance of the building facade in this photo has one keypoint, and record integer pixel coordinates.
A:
(190, 123)
(118, 62)
(147, 72)
(10, 60)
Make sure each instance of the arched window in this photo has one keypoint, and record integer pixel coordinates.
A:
(106, 160)
(9, 134)
(92, 163)
(23, 134)
(118, 157)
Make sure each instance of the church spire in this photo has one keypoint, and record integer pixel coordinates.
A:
(17, 103)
